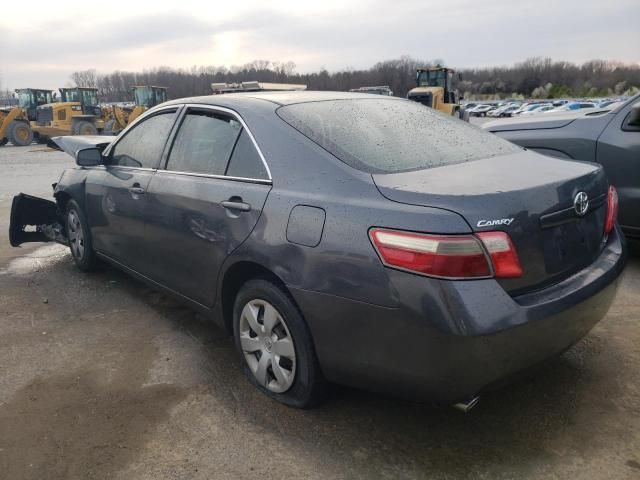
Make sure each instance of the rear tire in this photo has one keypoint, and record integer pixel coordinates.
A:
(83, 127)
(79, 236)
(20, 133)
(275, 346)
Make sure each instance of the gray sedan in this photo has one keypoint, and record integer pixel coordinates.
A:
(348, 238)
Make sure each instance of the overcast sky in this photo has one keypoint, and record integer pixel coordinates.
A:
(41, 43)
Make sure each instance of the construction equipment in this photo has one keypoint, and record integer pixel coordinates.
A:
(433, 89)
(14, 121)
(77, 113)
(146, 97)
(379, 90)
(254, 86)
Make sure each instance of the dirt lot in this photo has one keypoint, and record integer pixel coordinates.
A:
(101, 377)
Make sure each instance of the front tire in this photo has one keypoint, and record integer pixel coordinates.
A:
(83, 127)
(275, 345)
(20, 133)
(79, 236)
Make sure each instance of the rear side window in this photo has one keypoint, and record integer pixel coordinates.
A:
(245, 161)
(391, 136)
(204, 143)
(142, 146)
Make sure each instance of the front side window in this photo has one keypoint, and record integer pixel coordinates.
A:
(204, 143)
(142, 146)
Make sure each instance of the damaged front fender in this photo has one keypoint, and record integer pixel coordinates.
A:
(35, 219)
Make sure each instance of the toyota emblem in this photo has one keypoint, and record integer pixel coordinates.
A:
(581, 203)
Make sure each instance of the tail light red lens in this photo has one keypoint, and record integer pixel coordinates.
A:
(448, 256)
(506, 263)
(612, 210)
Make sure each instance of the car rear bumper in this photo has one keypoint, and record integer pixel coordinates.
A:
(450, 340)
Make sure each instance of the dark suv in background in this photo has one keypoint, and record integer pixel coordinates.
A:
(610, 138)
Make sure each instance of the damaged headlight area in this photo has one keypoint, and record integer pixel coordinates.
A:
(35, 219)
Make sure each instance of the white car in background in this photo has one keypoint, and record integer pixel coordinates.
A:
(481, 110)
(540, 109)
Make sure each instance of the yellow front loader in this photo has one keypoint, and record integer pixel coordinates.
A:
(435, 91)
(77, 113)
(146, 97)
(14, 121)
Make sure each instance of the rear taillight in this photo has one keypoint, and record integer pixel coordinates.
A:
(448, 256)
(506, 263)
(612, 210)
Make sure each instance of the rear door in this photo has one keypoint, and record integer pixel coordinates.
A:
(116, 199)
(619, 152)
(205, 202)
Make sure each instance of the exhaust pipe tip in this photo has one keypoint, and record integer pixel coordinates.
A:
(467, 405)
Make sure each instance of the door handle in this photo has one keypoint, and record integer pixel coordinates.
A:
(137, 190)
(236, 205)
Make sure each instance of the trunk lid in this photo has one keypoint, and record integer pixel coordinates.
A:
(527, 195)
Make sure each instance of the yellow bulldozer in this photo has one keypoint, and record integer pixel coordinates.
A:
(434, 89)
(14, 120)
(145, 96)
(77, 113)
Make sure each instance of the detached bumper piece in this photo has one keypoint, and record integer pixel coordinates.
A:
(35, 219)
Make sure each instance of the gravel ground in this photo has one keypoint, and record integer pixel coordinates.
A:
(103, 378)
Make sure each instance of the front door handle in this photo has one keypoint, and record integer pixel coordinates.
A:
(236, 205)
(137, 190)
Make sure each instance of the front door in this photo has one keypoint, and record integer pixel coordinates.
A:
(116, 198)
(205, 203)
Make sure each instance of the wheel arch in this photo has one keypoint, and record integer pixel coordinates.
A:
(234, 278)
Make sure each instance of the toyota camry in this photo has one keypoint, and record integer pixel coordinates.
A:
(345, 238)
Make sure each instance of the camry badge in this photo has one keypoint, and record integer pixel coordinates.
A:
(492, 223)
(581, 203)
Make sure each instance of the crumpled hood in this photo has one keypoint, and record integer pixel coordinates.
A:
(71, 144)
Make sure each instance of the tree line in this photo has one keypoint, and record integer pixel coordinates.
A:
(534, 77)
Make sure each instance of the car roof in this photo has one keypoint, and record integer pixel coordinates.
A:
(278, 98)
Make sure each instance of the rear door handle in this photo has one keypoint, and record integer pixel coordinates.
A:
(233, 205)
(137, 190)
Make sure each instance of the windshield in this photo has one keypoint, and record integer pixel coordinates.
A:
(143, 97)
(149, 96)
(70, 95)
(25, 99)
(391, 136)
(432, 78)
(89, 97)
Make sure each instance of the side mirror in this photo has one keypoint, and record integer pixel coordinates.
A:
(89, 157)
(632, 122)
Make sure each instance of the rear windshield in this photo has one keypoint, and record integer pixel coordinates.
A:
(391, 136)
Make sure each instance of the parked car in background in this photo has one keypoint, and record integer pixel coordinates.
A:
(504, 111)
(576, 106)
(337, 242)
(481, 110)
(543, 107)
(610, 138)
(529, 108)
